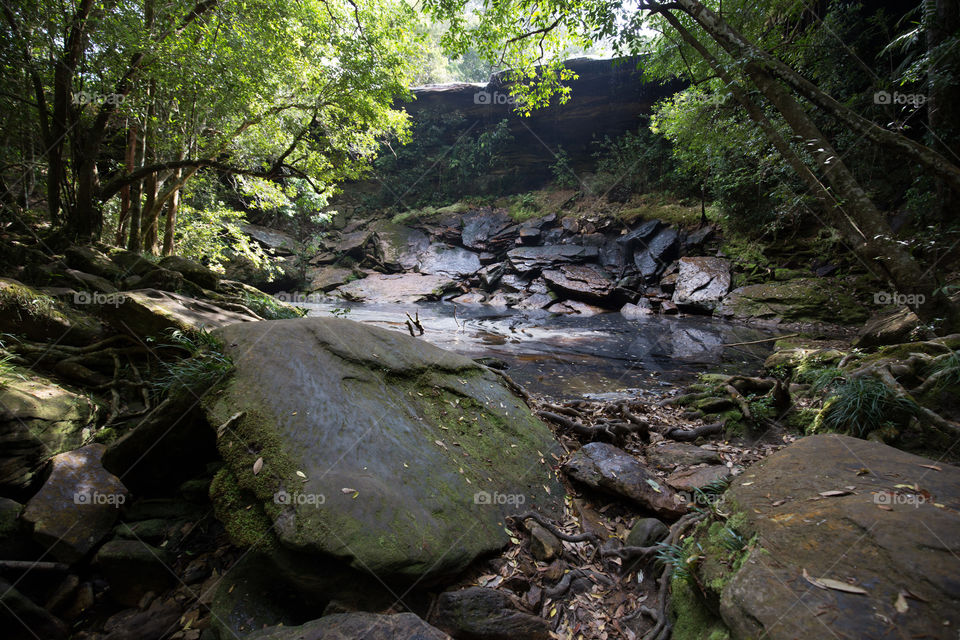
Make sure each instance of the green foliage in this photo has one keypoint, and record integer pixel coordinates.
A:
(563, 175)
(205, 364)
(675, 555)
(524, 206)
(637, 162)
(861, 405)
(946, 369)
(268, 308)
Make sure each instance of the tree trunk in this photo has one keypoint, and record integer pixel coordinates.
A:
(941, 19)
(171, 221)
(744, 51)
(125, 192)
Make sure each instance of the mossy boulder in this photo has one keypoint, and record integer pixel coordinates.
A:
(889, 528)
(375, 449)
(151, 312)
(38, 316)
(37, 419)
(803, 300)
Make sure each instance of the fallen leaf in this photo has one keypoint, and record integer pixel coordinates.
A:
(652, 483)
(932, 466)
(901, 604)
(813, 581)
(885, 507)
(349, 490)
(841, 586)
(257, 466)
(440, 444)
(835, 493)
(302, 474)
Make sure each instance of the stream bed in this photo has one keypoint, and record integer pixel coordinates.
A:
(569, 356)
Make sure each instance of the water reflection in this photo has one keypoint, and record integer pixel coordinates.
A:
(571, 356)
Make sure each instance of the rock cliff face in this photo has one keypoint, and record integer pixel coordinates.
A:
(608, 98)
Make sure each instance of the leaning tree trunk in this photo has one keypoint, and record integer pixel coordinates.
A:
(171, 222)
(744, 51)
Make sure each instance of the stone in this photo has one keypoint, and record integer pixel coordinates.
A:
(22, 619)
(131, 263)
(638, 311)
(192, 271)
(151, 313)
(355, 626)
(639, 237)
(653, 256)
(576, 307)
(328, 278)
(666, 456)
(702, 282)
(14, 539)
(469, 298)
(486, 614)
(90, 282)
(400, 288)
(487, 230)
(535, 301)
(646, 532)
(529, 235)
(353, 243)
(580, 282)
(895, 327)
(692, 479)
(805, 300)
(667, 307)
(490, 275)
(445, 260)
(602, 466)
(174, 430)
(37, 419)
(398, 247)
(92, 260)
(77, 505)
(31, 313)
(543, 545)
(133, 568)
(153, 623)
(882, 536)
(527, 259)
(358, 410)
(281, 243)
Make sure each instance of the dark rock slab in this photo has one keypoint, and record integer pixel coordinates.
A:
(355, 626)
(652, 257)
(527, 259)
(605, 467)
(445, 260)
(581, 282)
(398, 287)
(77, 505)
(701, 283)
(669, 455)
(328, 278)
(479, 613)
(192, 270)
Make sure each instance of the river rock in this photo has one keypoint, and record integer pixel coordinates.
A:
(692, 479)
(643, 309)
(358, 410)
(602, 466)
(652, 258)
(889, 328)
(150, 313)
(353, 243)
(487, 230)
(89, 282)
(355, 626)
(92, 260)
(396, 246)
(580, 282)
(576, 307)
(527, 259)
(479, 613)
(638, 239)
(192, 271)
(77, 505)
(666, 456)
(701, 283)
(535, 301)
(442, 259)
(400, 287)
(328, 278)
(23, 619)
(647, 532)
(153, 623)
(37, 418)
(803, 300)
(882, 537)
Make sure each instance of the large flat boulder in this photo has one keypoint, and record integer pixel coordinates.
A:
(487, 230)
(377, 450)
(893, 536)
(40, 317)
(702, 282)
(396, 246)
(397, 287)
(281, 243)
(328, 278)
(150, 312)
